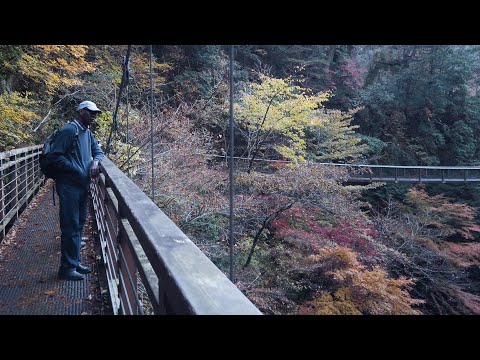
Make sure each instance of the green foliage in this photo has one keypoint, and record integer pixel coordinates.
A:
(9, 55)
(336, 140)
(377, 197)
(274, 115)
(374, 145)
(464, 143)
(209, 226)
(206, 67)
(261, 262)
(17, 116)
(421, 101)
(278, 115)
(140, 74)
(120, 150)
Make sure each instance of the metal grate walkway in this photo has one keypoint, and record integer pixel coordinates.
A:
(29, 260)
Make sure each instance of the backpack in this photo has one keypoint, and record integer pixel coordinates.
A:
(45, 157)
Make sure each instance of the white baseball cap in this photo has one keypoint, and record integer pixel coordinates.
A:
(90, 105)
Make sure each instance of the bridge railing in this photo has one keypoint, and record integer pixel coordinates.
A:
(390, 173)
(138, 238)
(20, 178)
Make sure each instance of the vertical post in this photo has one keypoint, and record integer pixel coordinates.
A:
(30, 170)
(231, 164)
(15, 184)
(38, 173)
(126, 115)
(121, 274)
(34, 167)
(27, 171)
(2, 202)
(127, 272)
(162, 303)
(396, 175)
(443, 175)
(22, 187)
(465, 175)
(151, 124)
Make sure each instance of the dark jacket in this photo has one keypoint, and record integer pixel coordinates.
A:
(72, 154)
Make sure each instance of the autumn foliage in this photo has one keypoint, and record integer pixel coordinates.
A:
(444, 214)
(304, 226)
(431, 238)
(354, 290)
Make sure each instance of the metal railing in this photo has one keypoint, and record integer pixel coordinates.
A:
(20, 178)
(394, 173)
(136, 237)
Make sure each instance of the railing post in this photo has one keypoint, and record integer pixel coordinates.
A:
(465, 175)
(112, 245)
(29, 170)
(161, 298)
(2, 202)
(127, 271)
(120, 292)
(36, 169)
(443, 176)
(22, 184)
(396, 175)
(15, 186)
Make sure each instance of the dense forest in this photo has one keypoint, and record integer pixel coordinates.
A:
(306, 242)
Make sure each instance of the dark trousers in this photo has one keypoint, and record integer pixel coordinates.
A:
(73, 213)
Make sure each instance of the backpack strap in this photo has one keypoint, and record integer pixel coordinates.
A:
(76, 135)
(76, 127)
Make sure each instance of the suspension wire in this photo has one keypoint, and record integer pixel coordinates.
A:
(231, 164)
(151, 123)
(122, 84)
(126, 115)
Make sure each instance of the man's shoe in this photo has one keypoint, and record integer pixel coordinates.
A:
(82, 244)
(84, 269)
(70, 275)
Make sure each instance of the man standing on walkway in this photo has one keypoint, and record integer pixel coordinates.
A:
(75, 157)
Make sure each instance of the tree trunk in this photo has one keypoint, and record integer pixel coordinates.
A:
(266, 222)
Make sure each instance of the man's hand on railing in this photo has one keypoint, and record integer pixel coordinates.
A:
(94, 169)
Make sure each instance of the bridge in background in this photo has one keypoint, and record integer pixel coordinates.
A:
(411, 174)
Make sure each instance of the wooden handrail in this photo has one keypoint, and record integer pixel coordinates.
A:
(137, 236)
